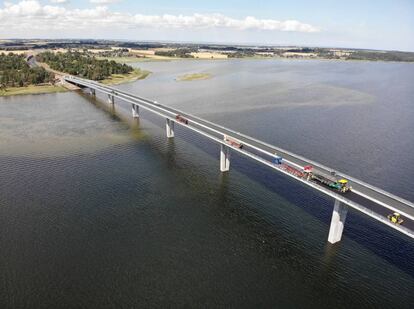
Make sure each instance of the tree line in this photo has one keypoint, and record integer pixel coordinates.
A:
(15, 72)
(382, 56)
(179, 52)
(83, 64)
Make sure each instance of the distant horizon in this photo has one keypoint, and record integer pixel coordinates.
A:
(246, 44)
(370, 25)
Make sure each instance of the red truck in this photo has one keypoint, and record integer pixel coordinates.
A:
(233, 142)
(181, 119)
(292, 170)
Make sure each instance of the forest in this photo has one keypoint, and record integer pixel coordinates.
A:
(382, 56)
(15, 72)
(83, 64)
(179, 52)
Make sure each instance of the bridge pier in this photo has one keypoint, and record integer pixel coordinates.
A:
(169, 126)
(337, 222)
(135, 111)
(224, 158)
(111, 99)
(92, 92)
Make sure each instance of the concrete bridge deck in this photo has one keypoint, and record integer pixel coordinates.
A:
(364, 197)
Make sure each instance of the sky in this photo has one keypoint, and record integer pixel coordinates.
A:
(371, 24)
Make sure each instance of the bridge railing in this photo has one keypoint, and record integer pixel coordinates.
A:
(243, 137)
(218, 134)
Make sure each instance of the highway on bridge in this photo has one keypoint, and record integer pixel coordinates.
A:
(364, 197)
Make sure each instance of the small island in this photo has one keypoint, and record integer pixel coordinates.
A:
(194, 76)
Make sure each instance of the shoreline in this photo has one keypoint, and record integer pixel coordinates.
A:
(117, 79)
(140, 74)
(32, 90)
(168, 59)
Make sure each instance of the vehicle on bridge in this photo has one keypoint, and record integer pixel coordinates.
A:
(331, 181)
(181, 119)
(307, 170)
(395, 218)
(365, 197)
(292, 170)
(233, 142)
(277, 159)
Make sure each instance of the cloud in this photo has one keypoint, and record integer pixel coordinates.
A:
(59, 1)
(103, 1)
(32, 15)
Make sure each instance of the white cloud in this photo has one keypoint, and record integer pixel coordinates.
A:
(31, 15)
(59, 1)
(103, 1)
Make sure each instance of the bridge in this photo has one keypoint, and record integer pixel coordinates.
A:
(365, 198)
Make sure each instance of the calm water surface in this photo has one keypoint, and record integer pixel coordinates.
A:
(100, 211)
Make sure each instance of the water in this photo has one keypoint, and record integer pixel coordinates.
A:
(98, 210)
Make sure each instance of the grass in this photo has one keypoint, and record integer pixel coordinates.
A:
(194, 76)
(116, 79)
(32, 89)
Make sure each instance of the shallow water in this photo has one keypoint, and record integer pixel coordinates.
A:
(97, 210)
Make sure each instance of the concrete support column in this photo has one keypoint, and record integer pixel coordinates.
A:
(169, 125)
(338, 221)
(111, 99)
(224, 158)
(92, 91)
(135, 111)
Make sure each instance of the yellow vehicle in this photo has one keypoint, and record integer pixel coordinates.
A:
(330, 180)
(395, 218)
(344, 185)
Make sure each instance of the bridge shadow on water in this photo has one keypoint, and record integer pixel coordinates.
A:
(388, 244)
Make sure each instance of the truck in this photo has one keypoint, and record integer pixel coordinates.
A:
(292, 170)
(331, 181)
(233, 142)
(181, 119)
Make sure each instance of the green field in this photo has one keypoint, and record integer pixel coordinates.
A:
(32, 89)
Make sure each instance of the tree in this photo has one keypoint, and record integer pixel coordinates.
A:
(83, 64)
(14, 71)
